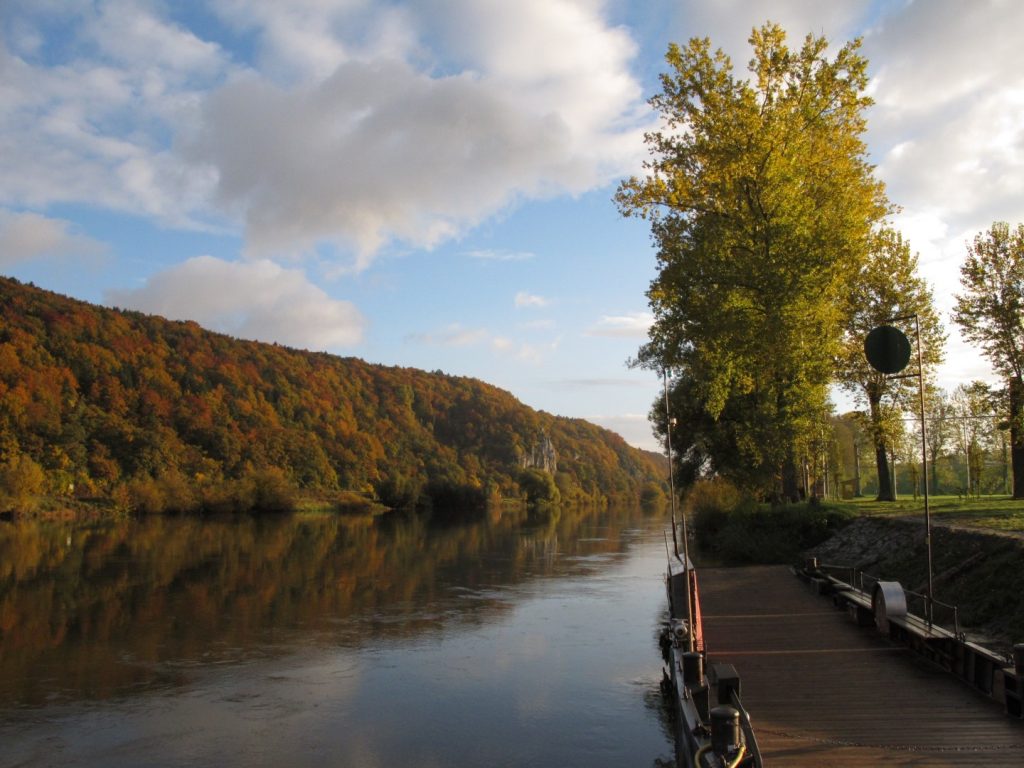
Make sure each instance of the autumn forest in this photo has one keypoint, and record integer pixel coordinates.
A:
(135, 413)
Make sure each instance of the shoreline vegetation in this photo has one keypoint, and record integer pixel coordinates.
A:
(114, 412)
(81, 510)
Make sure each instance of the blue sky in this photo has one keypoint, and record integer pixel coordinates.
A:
(429, 183)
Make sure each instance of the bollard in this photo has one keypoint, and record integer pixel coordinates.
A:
(693, 668)
(725, 729)
(811, 565)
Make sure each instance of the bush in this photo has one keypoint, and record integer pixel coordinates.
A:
(451, 499)
(170, 492)
(710, 504)
(761, 534)
(539, 487)
(265, 490)
(145, 496)
(568, 489)
(21, 482)
(399, 491)
(652, 496)
(271, 491)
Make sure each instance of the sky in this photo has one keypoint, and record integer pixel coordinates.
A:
(429, 184)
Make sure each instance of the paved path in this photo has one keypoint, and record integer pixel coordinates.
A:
(823, 692)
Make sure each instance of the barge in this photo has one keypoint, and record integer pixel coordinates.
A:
(713, 729)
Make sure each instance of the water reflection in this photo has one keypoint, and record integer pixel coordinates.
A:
(101, 610)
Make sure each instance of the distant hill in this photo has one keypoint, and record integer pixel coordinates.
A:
(153, 414)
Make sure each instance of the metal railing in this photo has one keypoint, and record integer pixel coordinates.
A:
(947, 615)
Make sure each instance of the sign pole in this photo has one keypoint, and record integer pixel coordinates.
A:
(924, 467)
(888, 351)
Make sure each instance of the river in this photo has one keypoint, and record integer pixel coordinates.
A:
(320, 640)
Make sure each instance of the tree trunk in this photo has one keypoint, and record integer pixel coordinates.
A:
(1017, 436)
(856, 469)
(790, 481)
(885, 490)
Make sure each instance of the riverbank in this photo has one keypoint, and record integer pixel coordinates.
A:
(975, 569)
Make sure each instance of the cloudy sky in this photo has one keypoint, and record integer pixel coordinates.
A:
(429, 183)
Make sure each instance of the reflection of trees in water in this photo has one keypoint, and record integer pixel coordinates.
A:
(94, 610)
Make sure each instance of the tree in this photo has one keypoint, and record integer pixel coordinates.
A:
(886, 287)
(939, 415)
(850, 430)
(971, 405)
(761, 202)
(989, 314)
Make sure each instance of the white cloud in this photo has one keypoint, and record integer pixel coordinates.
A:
(253, 300)
(424, 127)
(635, 429)
(131, 34)
(345, 160)
(301, 39)
(522, 351)
(499, 255)
(524, 299)
(351, 124)
(948, 134)
(94, 128)
(537, 325)
(29, 236)
(456, 335)
(948, 127)
(728, 23)
(633, 325)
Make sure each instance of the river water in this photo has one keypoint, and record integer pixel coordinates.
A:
(512, 640)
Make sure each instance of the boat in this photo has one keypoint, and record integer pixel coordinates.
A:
(713, 729)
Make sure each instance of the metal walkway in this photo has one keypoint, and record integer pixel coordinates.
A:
(822, 691)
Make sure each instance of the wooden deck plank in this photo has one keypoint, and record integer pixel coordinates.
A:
(823, 692)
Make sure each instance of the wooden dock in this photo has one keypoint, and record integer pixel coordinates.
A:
(822, 691)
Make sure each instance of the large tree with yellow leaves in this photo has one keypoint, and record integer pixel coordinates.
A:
(761, 202)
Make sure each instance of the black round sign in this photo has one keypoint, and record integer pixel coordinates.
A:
(887, 349)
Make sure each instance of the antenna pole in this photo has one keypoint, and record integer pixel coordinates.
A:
(671, 479)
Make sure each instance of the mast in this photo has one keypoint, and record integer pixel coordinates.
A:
(687, 565)
(671, 473)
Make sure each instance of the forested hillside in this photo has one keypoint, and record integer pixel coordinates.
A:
(156, 415)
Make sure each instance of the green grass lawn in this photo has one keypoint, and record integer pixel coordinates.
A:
(991, 512)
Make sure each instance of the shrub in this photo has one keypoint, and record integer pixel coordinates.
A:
(761, 534)
(652, 496)
(539, 487)
(145, 496)
(21, 482)
(399, 491)
(271, 491)
(448, 498)
(170, 492)
(568, 490)
(710, 503)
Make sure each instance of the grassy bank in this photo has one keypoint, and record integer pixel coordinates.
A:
(996, 513)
